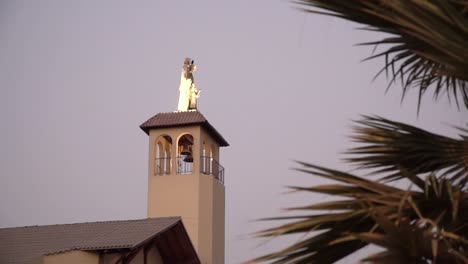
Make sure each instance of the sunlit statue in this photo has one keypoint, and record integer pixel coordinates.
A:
(188, 92)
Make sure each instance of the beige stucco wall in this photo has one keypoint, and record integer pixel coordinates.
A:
(198, 198)
(176, 195)
(218, 222)
(72, 257)
(212, 193)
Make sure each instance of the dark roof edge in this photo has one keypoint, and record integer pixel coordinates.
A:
(159, 233)
(217, 136)
(222, 142)
(194, 251)
(176, 224)
(95, 222)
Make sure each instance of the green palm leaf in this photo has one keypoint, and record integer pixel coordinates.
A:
(428, 46)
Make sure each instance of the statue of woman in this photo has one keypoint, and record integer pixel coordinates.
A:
(188, 93)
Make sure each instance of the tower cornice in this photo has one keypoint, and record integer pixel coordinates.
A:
(182, 118)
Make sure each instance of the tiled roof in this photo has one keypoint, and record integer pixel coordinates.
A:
(23, 244)
(175, 119)
(187, 118)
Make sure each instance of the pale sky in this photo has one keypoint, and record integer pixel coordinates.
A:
(77, 78)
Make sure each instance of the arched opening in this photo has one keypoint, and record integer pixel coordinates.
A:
(205, 163)
(184, 154)
(162, 162)
(211, 159)
(159, 167)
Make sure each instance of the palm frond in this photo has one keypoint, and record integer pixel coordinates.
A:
(332, 236)
(414, 241)
(428, 42)
(388, 147)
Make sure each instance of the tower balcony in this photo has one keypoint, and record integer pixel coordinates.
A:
(208, 166)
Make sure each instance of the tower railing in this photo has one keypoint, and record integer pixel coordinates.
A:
(208, 166)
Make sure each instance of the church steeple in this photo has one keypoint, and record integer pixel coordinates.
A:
(185, 178)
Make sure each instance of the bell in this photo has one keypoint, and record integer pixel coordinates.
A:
(185, 151)
(188, 158)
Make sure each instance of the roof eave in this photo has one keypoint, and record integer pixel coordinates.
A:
(219, 138)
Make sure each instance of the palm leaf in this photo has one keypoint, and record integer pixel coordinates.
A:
(414, 242)
(332, 236)
(388, 147)
(428, 46)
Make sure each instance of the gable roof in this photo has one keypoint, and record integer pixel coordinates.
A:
(24, 244)
(188, 118)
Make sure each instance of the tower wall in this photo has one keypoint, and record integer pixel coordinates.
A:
(198, 198)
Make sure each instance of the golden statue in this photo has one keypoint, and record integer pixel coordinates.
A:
(188, 92)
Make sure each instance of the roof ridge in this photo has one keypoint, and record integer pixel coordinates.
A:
(182, 112)
(95, 222)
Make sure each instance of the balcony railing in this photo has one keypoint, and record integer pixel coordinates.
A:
(208, 166)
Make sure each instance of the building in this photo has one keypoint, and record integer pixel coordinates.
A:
(152, 240)
(186, 212)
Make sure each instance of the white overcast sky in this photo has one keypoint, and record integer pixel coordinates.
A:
(77, 78)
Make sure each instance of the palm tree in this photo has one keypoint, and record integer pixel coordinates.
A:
(427, 222)
(427, 40)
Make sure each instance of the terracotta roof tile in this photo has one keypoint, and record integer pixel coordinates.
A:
(188, 118)
(175, 119)
(24, 244)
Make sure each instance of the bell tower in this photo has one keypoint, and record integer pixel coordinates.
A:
(186, 179)
(184, 175)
